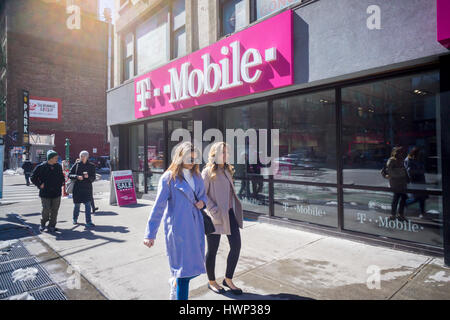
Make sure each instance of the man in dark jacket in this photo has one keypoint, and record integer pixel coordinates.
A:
(27, 167)
(49, 178)
(83, 173)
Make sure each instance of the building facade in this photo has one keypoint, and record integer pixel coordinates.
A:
(343, 82)
(63, 68)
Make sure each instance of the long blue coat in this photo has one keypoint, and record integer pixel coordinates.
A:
(183, 224)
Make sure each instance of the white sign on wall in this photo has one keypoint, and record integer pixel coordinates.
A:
(45, 108)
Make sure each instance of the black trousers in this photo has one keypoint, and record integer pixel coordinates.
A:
(395, 202)
(234, 239)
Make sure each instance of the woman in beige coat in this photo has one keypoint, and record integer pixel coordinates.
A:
(225, 210)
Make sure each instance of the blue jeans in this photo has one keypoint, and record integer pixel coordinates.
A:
(87, 208)
(183, 288)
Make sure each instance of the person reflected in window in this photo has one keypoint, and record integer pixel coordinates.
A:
(241, 171)
(254, 171)
(398, 180)
(416, 173)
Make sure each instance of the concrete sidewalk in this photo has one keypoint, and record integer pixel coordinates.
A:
(275, 263)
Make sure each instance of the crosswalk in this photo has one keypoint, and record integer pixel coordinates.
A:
(19, 193)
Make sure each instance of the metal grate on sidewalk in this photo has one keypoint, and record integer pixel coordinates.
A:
(41, 288)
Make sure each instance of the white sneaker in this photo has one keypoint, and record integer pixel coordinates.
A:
(173, 288)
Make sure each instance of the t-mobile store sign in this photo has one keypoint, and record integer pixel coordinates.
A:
(257, 59)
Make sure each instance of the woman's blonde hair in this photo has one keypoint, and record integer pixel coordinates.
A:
(215, 157)
(181, 152)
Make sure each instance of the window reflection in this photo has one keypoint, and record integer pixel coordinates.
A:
(307, 125)
(381, 115)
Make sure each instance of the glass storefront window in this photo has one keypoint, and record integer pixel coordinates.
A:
(369, 212)
(399, 112)
(137, 148)
(307, 130)
(155, 146)
(254, 195)
(306, 203)
(155, 155)
(250, 119)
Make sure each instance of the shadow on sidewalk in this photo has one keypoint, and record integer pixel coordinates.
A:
(255, 296)
(105, 213)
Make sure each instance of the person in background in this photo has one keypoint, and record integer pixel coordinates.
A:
(83, 172)
(225, 211)
(93, 207)
(416, 173)
(178, 189)
(27, 167)
(398, 181)
(49, 178)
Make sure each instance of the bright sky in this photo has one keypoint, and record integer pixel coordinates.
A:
(106, 4)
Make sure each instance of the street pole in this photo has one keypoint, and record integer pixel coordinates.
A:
(66, 165)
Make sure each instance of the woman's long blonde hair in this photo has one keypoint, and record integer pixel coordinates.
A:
(176, 167)
(215, 157)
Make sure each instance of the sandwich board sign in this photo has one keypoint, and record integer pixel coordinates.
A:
(123, 184)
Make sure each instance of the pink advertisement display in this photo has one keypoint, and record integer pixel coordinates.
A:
(256, 59)
(124, 187)
(443, 22)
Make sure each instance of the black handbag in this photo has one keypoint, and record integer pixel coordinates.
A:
(207, 221)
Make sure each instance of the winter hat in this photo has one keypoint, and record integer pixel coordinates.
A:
(84, 153)
(51, 154)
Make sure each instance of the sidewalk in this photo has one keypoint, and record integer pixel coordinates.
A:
(275, 262)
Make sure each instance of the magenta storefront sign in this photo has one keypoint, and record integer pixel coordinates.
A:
(443, 22)
(257, 59)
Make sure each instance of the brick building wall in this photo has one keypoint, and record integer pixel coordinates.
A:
(50, 60)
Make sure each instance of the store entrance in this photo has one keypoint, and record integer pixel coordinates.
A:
(183, 121)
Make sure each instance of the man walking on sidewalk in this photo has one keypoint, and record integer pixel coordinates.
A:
(27, 167)
(49, 178)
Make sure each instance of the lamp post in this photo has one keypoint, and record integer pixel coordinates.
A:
(66, 165)
(67, 145)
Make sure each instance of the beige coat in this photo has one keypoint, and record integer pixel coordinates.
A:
(218, 203)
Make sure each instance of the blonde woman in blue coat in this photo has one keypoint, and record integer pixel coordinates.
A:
(176, 204)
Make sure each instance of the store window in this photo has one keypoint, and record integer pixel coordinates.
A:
(249, 172)
(128, 53)
(402, 115)
(312, 204)
(307, 133)
(400, 112)
(233, 16)
(155, 154)
(262, 8)
(136, 155)
(370, 212)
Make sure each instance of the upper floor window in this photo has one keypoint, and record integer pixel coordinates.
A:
(155, 40)
(128, 53)
(233, 16)
(262, 8)
(152, 41)
(178, 28)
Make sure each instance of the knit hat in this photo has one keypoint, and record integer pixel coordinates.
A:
(51, 154)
